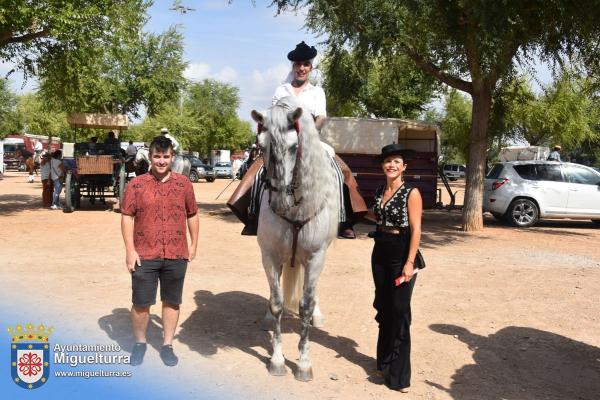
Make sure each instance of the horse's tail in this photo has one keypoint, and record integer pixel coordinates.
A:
(293, 286)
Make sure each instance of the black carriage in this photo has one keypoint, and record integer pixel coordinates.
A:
(99, 172)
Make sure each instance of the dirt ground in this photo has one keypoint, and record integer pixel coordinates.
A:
(500, 314)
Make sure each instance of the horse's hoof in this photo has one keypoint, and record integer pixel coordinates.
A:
(277, 369)
(304, 374)
(318, 321)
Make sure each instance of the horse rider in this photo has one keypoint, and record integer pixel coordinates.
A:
(245, 201)
(176, 146)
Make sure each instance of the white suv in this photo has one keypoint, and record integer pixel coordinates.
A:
(522, 192)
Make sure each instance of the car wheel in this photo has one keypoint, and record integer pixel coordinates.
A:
(596, 222)
(523, 213)
(499, 217)
(210, 179)
(193, 176)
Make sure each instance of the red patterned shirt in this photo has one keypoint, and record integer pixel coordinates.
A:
(160, 211)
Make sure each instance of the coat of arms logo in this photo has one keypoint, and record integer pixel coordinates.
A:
(30, 355)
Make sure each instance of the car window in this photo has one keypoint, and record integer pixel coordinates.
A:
(495, 171)
(222, 164)
(577, 174)
(447, 167)
(527, 171)
(549, 172)
(463, 168)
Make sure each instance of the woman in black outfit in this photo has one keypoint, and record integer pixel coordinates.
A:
(397, 212)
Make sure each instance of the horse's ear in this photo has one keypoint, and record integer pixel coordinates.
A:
(296, 114)
(257, 117)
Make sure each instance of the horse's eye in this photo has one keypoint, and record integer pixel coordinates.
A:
(293, 148)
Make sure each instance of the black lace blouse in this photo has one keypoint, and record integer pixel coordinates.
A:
(394, 213)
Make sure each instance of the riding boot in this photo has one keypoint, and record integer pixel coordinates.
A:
(355, 205)
(239, 202)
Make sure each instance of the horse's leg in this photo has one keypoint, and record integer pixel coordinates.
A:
(307, 307)
(277, 363)
(317, 317)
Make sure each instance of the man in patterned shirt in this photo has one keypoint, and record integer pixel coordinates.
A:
(154, 215)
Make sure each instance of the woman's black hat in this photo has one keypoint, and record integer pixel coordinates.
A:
(302, 52)
(394, 150)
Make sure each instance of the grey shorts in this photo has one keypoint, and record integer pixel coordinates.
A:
(144, 281)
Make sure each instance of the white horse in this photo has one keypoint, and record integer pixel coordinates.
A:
(180, 164)
(298, 219)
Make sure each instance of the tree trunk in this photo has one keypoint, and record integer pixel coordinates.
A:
(472, 218)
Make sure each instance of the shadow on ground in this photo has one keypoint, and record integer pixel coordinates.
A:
(523, 363)
(14, 203)
(117, 326)
(233, 320)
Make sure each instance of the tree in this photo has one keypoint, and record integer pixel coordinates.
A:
(92, 55)
(32, 31)
(38, 118)
(566, 112)
(391, 87)
(142, 70)
(9, 121)
(202, 119)
(468, 45)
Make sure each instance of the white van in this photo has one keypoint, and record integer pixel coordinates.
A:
(455, 171)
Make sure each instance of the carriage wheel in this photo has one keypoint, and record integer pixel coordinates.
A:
(70, 193)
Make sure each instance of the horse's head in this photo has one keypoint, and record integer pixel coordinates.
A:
(279, 137)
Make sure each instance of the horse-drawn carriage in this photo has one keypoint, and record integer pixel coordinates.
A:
(97, 174)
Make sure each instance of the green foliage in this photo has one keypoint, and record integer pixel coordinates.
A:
(203, 119)
(144, 70)
(37, 119)
(92, 55)
(9, 121)
(33, 30)
(384, 86)
(565, 113)
(456, 127)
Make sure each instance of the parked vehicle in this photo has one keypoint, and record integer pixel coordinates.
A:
(200, 170)
(11, 145)
(455, 171)
(223, 170)
(522, 192)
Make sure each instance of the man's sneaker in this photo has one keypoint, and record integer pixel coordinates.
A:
(137, 354)
(54, 207)
(168, 356)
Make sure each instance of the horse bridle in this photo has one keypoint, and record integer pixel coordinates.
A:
(290, 189)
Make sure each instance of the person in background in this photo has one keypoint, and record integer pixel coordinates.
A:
(131, 149)
(57, 173)
(555, 154)
(92, 146)
(47, 185)
(176, 146)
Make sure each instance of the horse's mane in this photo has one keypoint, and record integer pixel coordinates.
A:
(316, 180)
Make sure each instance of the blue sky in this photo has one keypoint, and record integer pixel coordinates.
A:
(242, 44)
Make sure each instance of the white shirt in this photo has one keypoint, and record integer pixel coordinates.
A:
(38, 146)
(311, 98)
(131, 150)
(174, 141)
(55, 171)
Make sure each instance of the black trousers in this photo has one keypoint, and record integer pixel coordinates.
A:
(393, 308)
